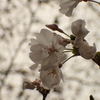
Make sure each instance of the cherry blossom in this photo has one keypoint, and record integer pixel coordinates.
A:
(49, 51)
(46, 49)
(67, 6)
(86, 51)
(78, 28)
(51, 76)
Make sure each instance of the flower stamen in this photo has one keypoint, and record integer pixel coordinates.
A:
(53, 73)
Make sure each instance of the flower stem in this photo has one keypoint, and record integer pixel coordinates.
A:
(67, 51)
(66, 34)
(68, 59)
(44, 97)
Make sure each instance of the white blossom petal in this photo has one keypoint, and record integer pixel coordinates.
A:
(49, 61)
(34, 66)
(37, 54)
(45, 37)
(33, 42)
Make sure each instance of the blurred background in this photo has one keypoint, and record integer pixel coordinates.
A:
(20, 20)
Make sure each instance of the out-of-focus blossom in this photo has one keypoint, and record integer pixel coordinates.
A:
(78, 28)
(86, 51)
(51, 76)
(46, 48)
(67, 6)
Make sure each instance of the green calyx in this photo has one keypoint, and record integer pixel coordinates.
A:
(75, 51)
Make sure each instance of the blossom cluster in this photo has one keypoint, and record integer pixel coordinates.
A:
(79, 30)
(49, 51)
